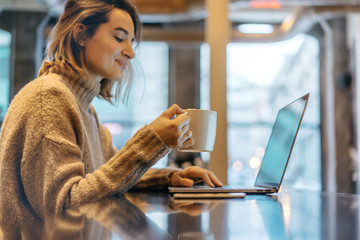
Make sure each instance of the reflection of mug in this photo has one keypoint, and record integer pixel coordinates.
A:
(203, 127)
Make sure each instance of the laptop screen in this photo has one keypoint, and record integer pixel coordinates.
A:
(280, 144)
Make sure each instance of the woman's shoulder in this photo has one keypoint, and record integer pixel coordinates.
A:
(32, 101)
(45, 103)
(47, 84)
(42, 95)
(44, 89)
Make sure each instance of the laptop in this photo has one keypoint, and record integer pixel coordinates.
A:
(276, 157)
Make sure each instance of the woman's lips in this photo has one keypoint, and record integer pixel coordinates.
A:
(122, 64)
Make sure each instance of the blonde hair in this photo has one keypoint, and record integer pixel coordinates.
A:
(64, 51)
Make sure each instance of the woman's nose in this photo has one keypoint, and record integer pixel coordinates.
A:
(129, 52)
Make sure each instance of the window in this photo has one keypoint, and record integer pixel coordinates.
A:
(148, 97)
(5, 40)
(262, 78)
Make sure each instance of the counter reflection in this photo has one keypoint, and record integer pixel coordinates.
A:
(287, 215)
(112, 218)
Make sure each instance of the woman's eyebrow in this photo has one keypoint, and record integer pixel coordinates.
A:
(122, 29)
(125, 31)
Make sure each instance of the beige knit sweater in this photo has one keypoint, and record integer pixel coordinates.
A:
(55, 154)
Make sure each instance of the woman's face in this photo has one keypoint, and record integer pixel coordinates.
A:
(108, 52)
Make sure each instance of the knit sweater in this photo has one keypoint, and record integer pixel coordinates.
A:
(55, 154)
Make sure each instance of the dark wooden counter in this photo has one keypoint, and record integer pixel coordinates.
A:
(287, 215)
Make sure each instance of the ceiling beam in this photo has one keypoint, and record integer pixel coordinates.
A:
(161, 6)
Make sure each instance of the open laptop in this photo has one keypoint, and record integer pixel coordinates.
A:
(276, 157)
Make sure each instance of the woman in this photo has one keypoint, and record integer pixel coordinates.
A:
(54, 152)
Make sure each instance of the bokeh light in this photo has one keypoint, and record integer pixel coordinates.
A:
(255, 162)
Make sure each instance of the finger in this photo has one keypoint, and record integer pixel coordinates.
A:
(193, 210)
(179, 110)
(181, 120)
(186, 139)
(186, 182)
(207, 180)
(177, 180)
(196, 173)
(173, 110)
(185, 131)
(185, 204)
(184, 134)
(189, 142)
(210, 179)
(214, 179)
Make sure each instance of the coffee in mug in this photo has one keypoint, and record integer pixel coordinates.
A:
(203, 127)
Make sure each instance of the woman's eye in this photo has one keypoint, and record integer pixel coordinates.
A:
(119, 39)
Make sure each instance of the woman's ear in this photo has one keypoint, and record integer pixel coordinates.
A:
(79, 34)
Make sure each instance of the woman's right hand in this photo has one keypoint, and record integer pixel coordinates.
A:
(173, 131)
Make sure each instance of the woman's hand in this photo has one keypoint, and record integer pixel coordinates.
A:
(174, 132)
(194, 174)
(192, 208)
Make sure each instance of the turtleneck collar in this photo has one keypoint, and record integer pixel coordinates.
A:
(86, 89)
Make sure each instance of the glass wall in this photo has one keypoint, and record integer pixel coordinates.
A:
(262, 78)
(5, 40)
(148, 97)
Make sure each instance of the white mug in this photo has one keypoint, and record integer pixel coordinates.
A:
(203, 127)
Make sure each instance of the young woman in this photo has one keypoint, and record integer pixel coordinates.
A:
(54, 152)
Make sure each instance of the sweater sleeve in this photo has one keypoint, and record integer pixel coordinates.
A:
(155, 179)
(55, 178)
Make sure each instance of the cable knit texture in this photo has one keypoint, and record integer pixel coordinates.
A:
(55, 154)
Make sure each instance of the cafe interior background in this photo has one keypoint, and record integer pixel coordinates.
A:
(244, 59)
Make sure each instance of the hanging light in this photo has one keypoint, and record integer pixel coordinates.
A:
(256, 28)
(265, 4)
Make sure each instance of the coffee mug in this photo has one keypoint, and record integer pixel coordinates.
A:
(203, 127)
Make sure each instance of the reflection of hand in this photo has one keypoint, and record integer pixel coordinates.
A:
(188, 176)
(192, 208)
(174, 132)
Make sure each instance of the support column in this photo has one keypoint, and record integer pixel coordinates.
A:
(22, 26)
(337, 108)
(184, 74)
(354, 43)
(217, 35)
(343, 108)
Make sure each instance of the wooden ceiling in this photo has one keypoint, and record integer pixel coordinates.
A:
(169, 7)
(161, 6)
(180, 6)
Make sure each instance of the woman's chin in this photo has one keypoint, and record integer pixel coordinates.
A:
(117, 78)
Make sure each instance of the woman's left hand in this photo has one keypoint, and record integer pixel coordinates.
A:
(194, 174)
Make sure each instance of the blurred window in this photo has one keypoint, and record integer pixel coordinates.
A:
(5, 40)
(148, 96)
(262, 78)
